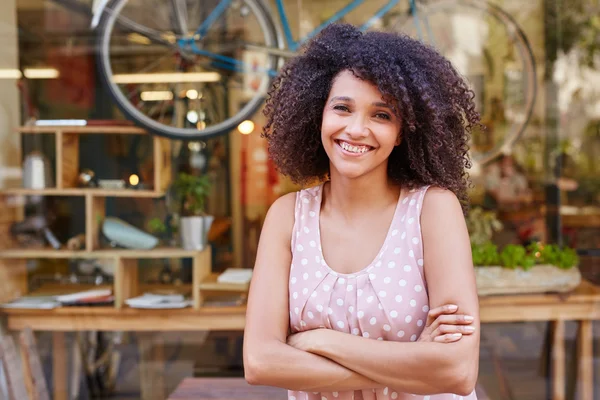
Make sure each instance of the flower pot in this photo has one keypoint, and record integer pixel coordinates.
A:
(495, 280)
(194, 231)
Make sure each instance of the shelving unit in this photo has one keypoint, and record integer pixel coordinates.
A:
(13, 272)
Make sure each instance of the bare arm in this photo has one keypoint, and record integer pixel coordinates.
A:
(423, 367)
(268, 359)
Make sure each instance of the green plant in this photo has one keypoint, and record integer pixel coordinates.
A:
(552, 254)
(485, 254)
(481, 225)
(513, 256)
(192, 191)
(157, 226)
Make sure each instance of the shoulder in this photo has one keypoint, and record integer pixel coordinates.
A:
(441, 213)
(438, 201)
(282, 209)
(279, 221)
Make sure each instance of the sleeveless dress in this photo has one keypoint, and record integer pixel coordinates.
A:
(386, 300)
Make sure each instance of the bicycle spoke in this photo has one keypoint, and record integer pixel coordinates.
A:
(180, 14)
(151, 34)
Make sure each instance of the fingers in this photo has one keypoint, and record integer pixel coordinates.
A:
(436, 312)
(444, 330)
(448, 338)
(457, 319)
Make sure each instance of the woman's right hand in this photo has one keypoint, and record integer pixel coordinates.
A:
(445, 326)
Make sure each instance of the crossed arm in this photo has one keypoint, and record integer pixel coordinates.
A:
(326, 360)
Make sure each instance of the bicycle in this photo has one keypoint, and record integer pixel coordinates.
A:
(215, 74)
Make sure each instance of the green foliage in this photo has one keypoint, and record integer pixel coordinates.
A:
(157, 226)
(192, 192)
(554, 255)
(485, 254)
(514, 256)
(482, 225)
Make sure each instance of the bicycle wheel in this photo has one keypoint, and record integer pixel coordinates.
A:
(487, 46)
(177, 77)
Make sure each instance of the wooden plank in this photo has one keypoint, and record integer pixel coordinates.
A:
(59, 366)
(107, 130)
(69, 160)
(32, 366)
(210, 283)
(585, 356)
(152, 366)
(201, 269)
(126, 280)
(71, 319)
(95, 212)
(96, 192)
(162, 164)
(13, 275)
(225, 389)
(12, 368)
(558, 361)
(540, 312)
(58, 146)
(160, 252)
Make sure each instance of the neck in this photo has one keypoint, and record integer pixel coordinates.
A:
(353, 196)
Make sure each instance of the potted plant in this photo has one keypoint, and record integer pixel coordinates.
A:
(191, 192)
(536, 268)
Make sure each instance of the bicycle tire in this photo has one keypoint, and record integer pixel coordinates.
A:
(528, 60)
(106, 25)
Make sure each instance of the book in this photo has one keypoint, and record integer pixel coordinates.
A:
(235, 275)
(33, 302)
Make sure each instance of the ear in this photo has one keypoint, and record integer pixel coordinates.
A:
(398, 140)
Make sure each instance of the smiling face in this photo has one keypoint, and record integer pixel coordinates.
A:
(359, 130)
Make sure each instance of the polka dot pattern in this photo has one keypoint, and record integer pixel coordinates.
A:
(386, 300)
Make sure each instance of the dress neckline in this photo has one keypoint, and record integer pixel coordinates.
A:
(379, 252)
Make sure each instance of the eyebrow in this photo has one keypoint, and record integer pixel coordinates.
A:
(350, 100)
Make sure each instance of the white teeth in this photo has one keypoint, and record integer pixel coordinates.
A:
(353, 149)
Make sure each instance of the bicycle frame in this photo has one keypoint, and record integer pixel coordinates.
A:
(190, 42)
(292, 45)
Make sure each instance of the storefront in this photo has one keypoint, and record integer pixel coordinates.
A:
(131, 163)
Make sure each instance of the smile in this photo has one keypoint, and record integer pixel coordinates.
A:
(353, 149)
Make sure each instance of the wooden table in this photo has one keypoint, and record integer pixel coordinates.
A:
(224, 389)
(582, 305)
(145, 322)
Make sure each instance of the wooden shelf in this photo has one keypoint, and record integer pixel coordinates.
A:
(95, 192)
(210, 283)
(163, 252)
(121, 130)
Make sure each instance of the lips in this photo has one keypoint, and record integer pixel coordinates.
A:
(353, 148)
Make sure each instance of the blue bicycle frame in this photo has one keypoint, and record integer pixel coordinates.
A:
(293, 45)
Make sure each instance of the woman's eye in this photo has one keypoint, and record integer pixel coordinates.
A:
(341, 108)
(383, 116)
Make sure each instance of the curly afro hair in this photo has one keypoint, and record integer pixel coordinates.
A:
(431, 98)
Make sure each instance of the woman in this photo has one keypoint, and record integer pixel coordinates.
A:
(348, 270)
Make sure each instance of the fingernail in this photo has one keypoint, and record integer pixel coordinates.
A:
(468, 318)
(452, 307)
(456, 335)
(469, 329)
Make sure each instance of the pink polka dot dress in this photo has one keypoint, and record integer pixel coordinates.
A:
(387, 300)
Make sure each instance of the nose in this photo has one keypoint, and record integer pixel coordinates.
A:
(357, 127)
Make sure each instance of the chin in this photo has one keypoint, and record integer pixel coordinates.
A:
(349, 171)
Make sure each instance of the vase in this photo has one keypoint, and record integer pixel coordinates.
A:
(194, 231)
